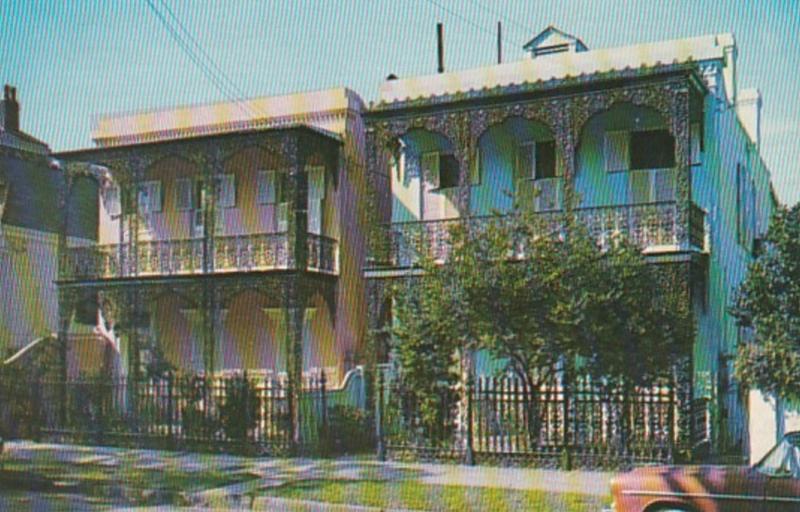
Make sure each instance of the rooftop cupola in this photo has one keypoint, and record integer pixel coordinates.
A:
(552, 40)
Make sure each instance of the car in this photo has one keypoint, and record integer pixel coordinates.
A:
(771, 485)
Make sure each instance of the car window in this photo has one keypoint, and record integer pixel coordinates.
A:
(782, 460)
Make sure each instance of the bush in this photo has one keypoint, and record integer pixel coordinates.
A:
(348, 430)
(238, 411)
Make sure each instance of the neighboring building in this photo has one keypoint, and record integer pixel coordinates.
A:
(31, 217)
(229, 237)
(654, 141)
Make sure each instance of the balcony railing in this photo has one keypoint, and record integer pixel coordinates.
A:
(651, 226)
(242, 253)
(252, 253)
(323, 254)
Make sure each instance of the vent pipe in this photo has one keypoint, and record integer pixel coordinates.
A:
(499, 43)
(440, 45)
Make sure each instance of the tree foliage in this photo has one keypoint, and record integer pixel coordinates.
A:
(538, 297)
(768, 302)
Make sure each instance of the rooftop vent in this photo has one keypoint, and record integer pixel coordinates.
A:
(552, 40)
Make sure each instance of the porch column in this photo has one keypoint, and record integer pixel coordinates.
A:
(210, 313)
(213, 167)
(294, 307)
(466, 154)
(297, 194)
(679, 107)
(66, 308)
(566, 133)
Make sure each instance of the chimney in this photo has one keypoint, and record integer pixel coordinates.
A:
(440, 46)
(9, 109)
(748, 108)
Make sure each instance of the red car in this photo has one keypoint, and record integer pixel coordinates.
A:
(772, 485)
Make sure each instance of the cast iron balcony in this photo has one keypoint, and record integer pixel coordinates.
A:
(241, 253)
(655, 227)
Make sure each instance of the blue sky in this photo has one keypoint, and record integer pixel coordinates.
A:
(73, 60)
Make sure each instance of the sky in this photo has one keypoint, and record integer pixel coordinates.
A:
(72, 61)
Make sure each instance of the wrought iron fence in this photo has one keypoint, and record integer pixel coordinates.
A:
(236, 412)
(578, 423)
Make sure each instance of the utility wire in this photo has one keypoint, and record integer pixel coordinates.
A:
(462, 18)
(511, 21)
(202, 52)
(225, 86)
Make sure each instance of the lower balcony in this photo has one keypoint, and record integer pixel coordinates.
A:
(242, 253)
(655, 227)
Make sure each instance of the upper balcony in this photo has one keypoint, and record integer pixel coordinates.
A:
(243, 253)
(654, 227)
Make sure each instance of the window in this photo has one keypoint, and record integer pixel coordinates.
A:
(441, 170)
(271, 186)
(226, 191)
(536, 160)
(184, 194)
(316, 193)
(654, 149)
(149, 197)
(745, 208)
(651, 149)
(696, 143)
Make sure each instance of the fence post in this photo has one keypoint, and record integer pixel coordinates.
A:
(170, 406)
(566, 455)
(469, 455)
(379, 415)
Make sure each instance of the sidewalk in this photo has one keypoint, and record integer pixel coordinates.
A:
(264, 473)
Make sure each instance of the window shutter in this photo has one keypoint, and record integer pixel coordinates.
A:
(316, 182)
(430, 168)
(548, 195)
(183, 194)
(475, 169)
(282, 217)
(640, 187)
(695, 143)
(155, 196)
(267, 187)
(616, 151)
(226, 191)
(111, 200)
(665, 184)
(526, 161)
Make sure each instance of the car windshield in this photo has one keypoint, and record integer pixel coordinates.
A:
(782, 460)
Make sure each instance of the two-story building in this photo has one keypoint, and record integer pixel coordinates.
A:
(228, 237)
(654, 141)
(34, 211)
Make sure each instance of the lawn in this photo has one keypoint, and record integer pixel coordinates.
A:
(417, 496)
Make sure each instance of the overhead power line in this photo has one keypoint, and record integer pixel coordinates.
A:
(207, 66)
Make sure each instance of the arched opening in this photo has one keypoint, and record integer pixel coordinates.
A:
(176, 331)
(517, 161)
(253, 334)
(319, 340)
(626, 155)
(424, 178)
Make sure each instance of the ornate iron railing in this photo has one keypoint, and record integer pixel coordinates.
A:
(267, 251)
(241, 253)
(651, 226)
(323, 254)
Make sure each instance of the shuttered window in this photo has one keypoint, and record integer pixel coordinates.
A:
(184, 194)
(316, 194)
(226, 191)
(149, 197)
(616, 151)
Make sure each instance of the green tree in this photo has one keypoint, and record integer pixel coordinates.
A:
(540, 295)
(768, 302)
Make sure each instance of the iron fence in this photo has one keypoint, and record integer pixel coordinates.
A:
(579, 423)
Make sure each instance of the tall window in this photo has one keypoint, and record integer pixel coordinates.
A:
(184, 194)
(536, 160)
(316, 195)
(440, 169)
(226, 191)
(149, 197)
(650, 149)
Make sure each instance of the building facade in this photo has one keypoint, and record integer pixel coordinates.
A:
(654, 142)
(228, 238)
(32, 206)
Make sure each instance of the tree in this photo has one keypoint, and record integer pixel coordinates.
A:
(541, 296)
(768, 302)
